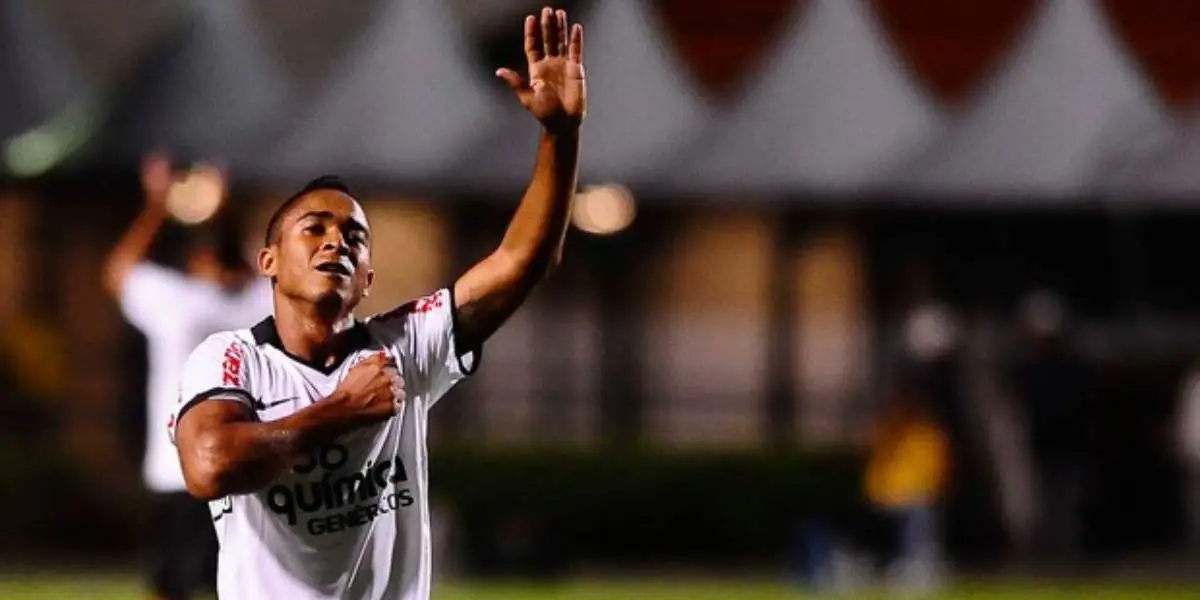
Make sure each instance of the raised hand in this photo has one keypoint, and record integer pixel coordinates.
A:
(555, 92)
(156, 178)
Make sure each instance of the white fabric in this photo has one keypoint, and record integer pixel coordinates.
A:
(175, 313)
(1189, 419)
(354, 521)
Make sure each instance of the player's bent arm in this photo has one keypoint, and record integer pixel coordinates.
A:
(224, 449)
(491, 291)
(132, 248)
(136, 241)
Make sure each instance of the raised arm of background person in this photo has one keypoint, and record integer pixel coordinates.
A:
(556, 94)
(225, 449)
(135, 244)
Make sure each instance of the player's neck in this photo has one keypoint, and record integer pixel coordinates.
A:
(311, 334)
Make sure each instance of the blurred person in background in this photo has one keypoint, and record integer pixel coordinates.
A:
(906, 477)
(1050, 383)
(1188, 428)
(175, 310)
(933, 362)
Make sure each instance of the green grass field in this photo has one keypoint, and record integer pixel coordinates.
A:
(46, 587)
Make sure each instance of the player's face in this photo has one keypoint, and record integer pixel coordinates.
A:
(324, 251)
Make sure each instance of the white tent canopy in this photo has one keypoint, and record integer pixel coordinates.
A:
(1174, 172)
(833, 111)
(402, 104)
(37, 76)
(210, 90)
(1052, 122)
(1068, 112)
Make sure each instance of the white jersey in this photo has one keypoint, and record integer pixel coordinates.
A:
(176, 312)
(351, 521)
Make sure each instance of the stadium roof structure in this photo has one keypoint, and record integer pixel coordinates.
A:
(208, 88)
(41, 84)
(401, 104)
(399, 93)
(1056, 121)
(38, 78)
(833, 111)
(1173, 174)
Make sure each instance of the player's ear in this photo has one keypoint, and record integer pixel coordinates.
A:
(267, 265)
(370, 280)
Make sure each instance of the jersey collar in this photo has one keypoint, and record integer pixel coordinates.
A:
(267, 334)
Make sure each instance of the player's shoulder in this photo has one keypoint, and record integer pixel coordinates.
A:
(231, 341)
(415, 307)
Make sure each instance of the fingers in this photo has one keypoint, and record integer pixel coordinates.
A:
(393, 372)
(516, 83)
(155, 158)
(379, 359)
(549, 31)
(393, 375)
(387, 364)
(511, 79)
(396, 385)
(551, 35)
(561, 31)
(533, 41)
(156, 165)
(156, 176)
(575, 50)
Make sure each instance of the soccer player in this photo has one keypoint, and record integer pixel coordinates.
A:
(307, 431)
(175, 311)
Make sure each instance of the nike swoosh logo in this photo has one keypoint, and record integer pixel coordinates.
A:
(274, 403)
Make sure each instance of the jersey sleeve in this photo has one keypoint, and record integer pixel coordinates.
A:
(218, 369)
(425, 332)
(151, 294)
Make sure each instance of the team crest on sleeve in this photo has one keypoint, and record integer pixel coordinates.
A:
(428, 303)
(419, 306)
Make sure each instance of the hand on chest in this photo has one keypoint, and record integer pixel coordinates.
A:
(290, 385)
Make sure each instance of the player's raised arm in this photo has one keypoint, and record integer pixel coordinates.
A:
(135, 244)
(555, 92)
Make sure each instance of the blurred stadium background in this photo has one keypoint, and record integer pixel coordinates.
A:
(794, 211)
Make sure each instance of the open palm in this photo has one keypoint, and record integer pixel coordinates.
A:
(556, 90)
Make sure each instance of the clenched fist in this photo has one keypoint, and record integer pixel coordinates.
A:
(373, 391)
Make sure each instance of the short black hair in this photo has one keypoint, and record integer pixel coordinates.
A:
(324, 182)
